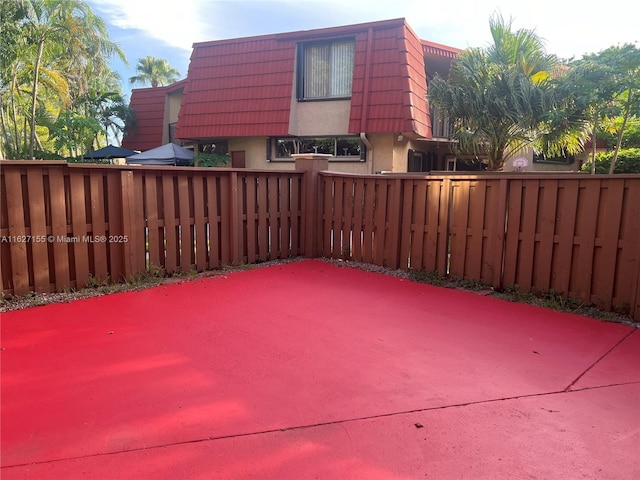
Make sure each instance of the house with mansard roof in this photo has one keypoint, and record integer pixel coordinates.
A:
(356, 92)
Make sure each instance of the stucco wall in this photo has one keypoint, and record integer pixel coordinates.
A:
(175, 99)
(391, 152)
(319, 118)
(171, 109)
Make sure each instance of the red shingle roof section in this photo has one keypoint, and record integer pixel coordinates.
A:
(390, 89)
(238, 88)
(148, 104)
(393, 98)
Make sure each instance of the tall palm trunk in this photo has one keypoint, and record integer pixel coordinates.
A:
(34, 99)
(594, 147)
(5, 135)
(14, 115)
(624, 125)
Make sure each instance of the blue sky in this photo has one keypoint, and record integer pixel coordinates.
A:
(168, 28)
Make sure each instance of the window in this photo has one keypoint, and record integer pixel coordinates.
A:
(422, 161)
(220, 147)
(325, 70)
(343, 148)
(564, 159)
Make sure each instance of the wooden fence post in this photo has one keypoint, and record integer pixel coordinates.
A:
(311, 164)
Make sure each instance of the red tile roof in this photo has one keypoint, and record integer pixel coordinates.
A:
(243, 87)
(390, 89)
(238, 88)
(148, 104)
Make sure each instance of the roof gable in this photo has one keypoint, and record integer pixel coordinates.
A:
(149, 106)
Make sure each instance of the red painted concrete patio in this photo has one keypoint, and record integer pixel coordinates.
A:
(310, 370)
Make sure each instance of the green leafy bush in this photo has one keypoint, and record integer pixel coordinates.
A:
(628, 162)
(612, 127)
(210, 160)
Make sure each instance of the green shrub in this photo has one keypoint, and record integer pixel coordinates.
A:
(210, 160)
(628, 162)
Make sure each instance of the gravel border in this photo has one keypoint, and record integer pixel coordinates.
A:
(37, 299)
(34, 299)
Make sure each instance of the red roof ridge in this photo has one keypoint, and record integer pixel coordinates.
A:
(172, 87)
(440, 49)
(176, 85)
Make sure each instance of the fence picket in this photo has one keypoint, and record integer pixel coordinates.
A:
(546, 223)
(214, 220)
(155, 233)
(443, 227)
(59, 221)
(168, 213)
(285, 209)
(199, 224)
(295, 212)
(434, 231)
(38, 229)
(380, 222)
(498, 234)
(186, 243)
(475, 229)
(274, 235)
(98, 247)
(16, 231)
(607, 259)
(79, 228)
(587, 218)
(458, 228)
(367, 219)
(412, 230)
(114, 215)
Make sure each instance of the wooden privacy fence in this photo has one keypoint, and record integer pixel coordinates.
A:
(67, 226)
(578, 235)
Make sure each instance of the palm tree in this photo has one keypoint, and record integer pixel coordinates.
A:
(501, 97)
(154, 71)
(62, 36)
(522, 50)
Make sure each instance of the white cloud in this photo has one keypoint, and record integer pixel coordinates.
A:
(176, 24)
(569, 27)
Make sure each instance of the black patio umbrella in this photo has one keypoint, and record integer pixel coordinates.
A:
(110, 151)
